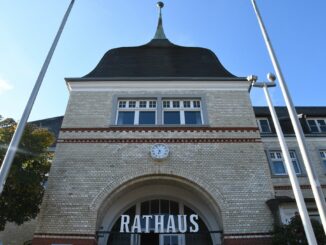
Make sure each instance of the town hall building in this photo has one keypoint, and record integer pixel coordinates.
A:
(160, 130)
(160, 145)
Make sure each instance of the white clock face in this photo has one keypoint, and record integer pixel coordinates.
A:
(159, 151)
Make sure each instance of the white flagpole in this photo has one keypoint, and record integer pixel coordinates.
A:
(312, 176)
(288, 162)
(13, 146)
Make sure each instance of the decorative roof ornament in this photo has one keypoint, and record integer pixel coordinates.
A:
(160, 31)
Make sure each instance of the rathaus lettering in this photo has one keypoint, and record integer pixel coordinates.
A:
(162, 223)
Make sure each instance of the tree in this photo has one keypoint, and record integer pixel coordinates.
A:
(293, 233)
(22, 195)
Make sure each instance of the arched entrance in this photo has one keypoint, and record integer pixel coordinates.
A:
(160, 196)
(162, 208)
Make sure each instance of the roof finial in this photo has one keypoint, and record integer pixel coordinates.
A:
(159, 31)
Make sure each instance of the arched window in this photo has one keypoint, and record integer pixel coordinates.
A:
(165, 208)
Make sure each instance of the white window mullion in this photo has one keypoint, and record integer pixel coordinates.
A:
(136, 122)
(182, 117)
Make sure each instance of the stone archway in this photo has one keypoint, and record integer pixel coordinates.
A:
(161, 188)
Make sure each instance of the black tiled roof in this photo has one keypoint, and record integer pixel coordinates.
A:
(159, 58)
(285, 122)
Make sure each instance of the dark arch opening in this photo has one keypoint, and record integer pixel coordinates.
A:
(159, 207)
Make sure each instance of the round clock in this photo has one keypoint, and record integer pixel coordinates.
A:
(160, 151)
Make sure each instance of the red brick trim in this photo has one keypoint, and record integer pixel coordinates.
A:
(288, 187)
(163, 140)
(248, 241)
(163, 129)
(64, 235)
(50, 241)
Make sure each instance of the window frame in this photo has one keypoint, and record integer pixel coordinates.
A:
(322, 159)
(136, 109)
(159, 109)
(182, 110)
(258, 119)
(270, 161)
(315, 119)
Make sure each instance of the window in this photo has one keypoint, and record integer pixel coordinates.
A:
(136, 112)
(187, 111)
(182, 112)
(317, 125)
(323, 157)
(277, 163)
(263, 125)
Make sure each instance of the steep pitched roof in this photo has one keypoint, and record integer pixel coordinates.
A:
(159, 58)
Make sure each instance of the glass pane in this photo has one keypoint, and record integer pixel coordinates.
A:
(296, 167)
(197, 104)
(166, 104)
(152, 104)
(174, 208)
(174, 240)
(192, 117)
(278, 167)
(132, 104)
(186, 104)
(264, 126)
(322, 125)
(171, 117)
(313, 126)
(164, 207)
(324, 162)
(167, 240)
(142, 104)
(322, 154)
(126, 117)
(292, 155)
(144, 208)
(176, 104)
(272, 154)
(155, 207)
(122, 104)
(147, 117)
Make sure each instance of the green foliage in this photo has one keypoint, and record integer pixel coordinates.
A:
(23, 192)
(293, 233)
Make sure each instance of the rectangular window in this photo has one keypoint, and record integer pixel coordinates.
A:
(174, 111)
(263, 125)
(182, 112)
(136, 112)
(323, 157)
(277, 163)
(317, 125)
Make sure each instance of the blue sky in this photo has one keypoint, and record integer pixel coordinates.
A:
(228, 27)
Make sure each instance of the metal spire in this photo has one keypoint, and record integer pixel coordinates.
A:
(160, 31)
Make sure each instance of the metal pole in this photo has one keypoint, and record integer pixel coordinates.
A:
(312, 176)
(13, 146)
(292, 175)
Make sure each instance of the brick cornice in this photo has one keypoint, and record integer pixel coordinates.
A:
(163, 129)
(160, 140)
